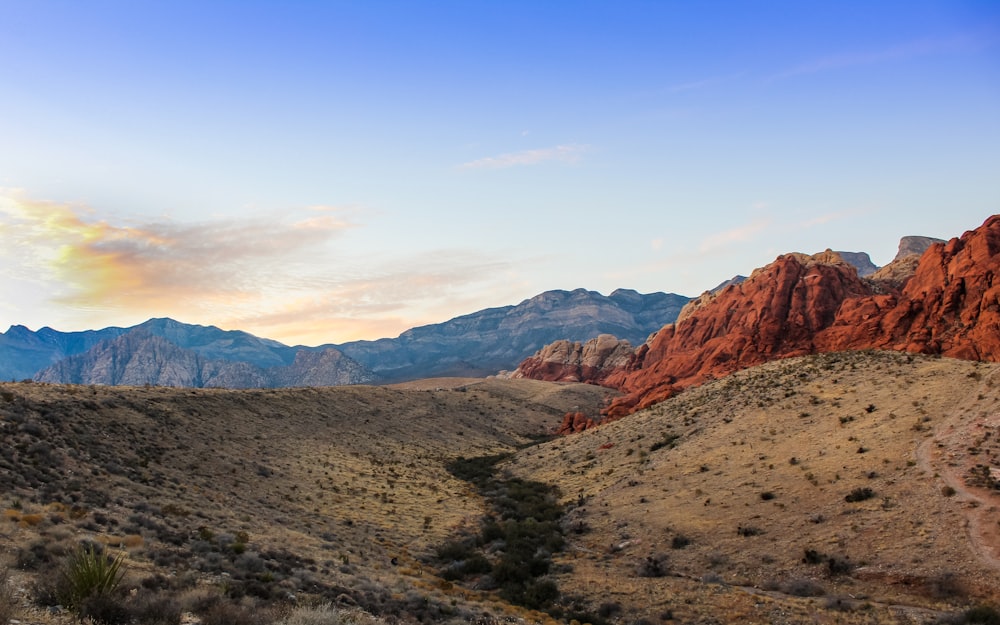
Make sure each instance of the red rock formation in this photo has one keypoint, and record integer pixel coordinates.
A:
(806, 304)
(574, 422)
(951, 305)
(564, 361)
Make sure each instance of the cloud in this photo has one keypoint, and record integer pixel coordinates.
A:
(560, 153)
(733, 235)
(912, 49)
(92, 264)
(384, 300)
(703, 83)
(282, 277)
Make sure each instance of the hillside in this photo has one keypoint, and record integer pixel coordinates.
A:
(725, 503)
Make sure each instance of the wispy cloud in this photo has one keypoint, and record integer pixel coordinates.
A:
(704, 83)
(282, 277)
(733, 235)
(912, 49)
(561, 153)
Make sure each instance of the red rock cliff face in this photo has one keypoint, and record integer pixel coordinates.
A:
(565, 361)
(806, 304)
(775, 313)
(951, 305)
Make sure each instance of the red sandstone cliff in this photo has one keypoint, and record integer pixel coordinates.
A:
(805, 304)
(565, 361)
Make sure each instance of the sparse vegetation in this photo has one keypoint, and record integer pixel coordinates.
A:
(861, 493)
(356, 507)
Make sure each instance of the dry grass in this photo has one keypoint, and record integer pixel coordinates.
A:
(724, 504)
(753, 471)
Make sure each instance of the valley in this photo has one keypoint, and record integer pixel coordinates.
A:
(726, 503)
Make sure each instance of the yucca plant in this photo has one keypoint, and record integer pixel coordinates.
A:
(88, 573)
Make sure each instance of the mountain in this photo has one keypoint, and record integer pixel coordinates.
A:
(801, 304)
(23, 352)
(495, 339)
(167, 352)
(140, 357)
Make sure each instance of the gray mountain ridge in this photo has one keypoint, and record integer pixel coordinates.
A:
(163, 351)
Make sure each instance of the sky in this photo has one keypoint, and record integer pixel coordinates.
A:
(320, 172)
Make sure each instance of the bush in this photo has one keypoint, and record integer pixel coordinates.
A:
(653, 566)
(859, 494)
(326, 614)
(7, 600)
(679, 541)
(88, 573)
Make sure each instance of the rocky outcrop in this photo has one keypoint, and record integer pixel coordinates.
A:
(774, 313)
(861, 261)
(948, 304)
(565, 361)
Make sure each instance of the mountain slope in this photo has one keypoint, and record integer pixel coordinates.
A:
(140, 357)
(24, 353)
(478, 344)
(490, 340)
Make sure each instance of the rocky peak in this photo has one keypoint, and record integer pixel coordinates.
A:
(949, 304)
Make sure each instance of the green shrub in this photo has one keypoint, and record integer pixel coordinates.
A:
(88, 573)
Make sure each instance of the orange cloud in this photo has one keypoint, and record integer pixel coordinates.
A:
(271, 277)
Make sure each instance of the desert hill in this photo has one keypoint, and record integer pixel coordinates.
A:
(725, 503)
(854, 480)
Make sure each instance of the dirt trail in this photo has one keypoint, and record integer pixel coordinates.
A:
(948, 455)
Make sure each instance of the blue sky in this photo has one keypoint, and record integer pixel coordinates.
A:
(324, 171)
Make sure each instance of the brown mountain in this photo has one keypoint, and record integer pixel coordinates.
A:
(802, 304)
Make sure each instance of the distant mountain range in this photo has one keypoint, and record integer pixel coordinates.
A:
(169, 353)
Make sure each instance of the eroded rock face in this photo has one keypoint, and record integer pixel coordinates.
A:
(565, 361)
(774, 313)
(951, 305)
(948, 304)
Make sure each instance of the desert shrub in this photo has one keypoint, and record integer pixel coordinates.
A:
(749, 530)
(946, 586)
(8, 603)
(859, 494)
(151, 608)
(523, 533)
(106, 608)
(653, 566)
(326, 614)
(985, 615)
(679, 541)
(88, 572)
(803, 588)
(839, 566)
(228, 613)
